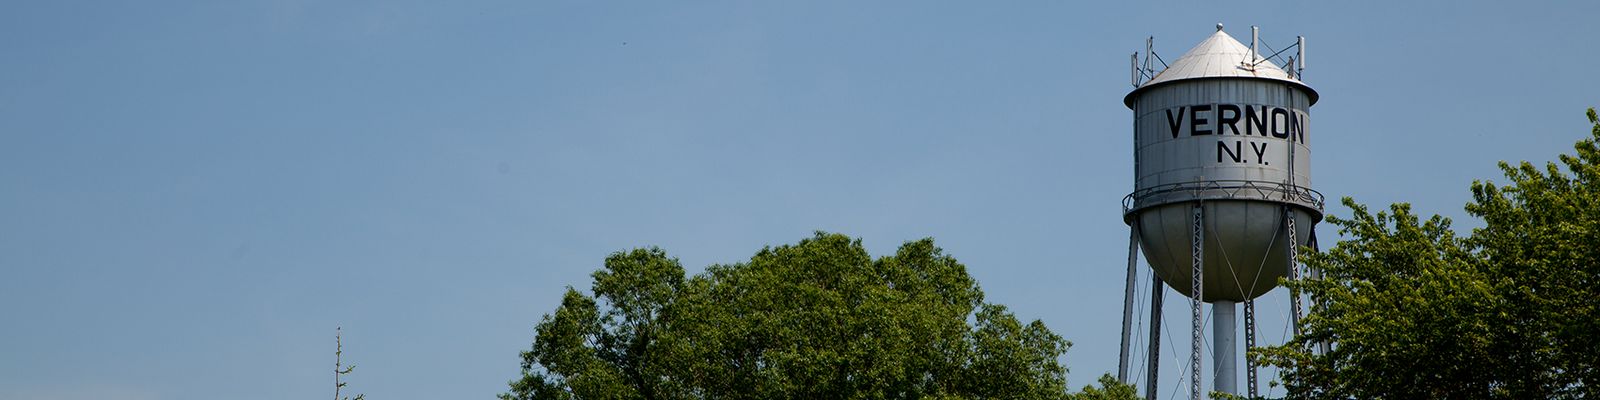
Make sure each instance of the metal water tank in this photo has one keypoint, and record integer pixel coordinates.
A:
(1227, 130)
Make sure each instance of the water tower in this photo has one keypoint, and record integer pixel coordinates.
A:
(1222, 193)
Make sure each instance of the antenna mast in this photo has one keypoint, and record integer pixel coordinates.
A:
(1300, 62)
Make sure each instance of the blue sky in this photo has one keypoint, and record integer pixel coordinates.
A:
(194, 194)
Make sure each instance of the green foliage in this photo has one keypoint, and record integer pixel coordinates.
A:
(339, 369)
(1110, 389)
(817, 319)
(1413, 311)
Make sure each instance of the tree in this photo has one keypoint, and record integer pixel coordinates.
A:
(339, 369)
(1414, 311)
(1110, 389)
(817, 319)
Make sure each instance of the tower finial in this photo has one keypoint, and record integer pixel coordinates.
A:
(1219, 27)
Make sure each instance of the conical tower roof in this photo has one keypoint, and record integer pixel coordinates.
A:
(1220, 56)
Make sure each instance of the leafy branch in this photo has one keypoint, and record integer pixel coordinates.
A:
(339, 369)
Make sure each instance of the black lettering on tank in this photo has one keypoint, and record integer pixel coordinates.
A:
(1276, 114)
(1225, 121)
(1258, 119)
(1175, 123)
(1299, 127)
(1235, 153)
(1195, 122)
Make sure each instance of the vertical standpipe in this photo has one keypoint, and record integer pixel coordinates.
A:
(1223, 350)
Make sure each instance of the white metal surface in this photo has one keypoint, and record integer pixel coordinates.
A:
(1219, 56)
(1246, 250)
(1222, 130)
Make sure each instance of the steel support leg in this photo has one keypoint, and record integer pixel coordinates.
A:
(1325, 347)
(1157, 292)
(1249, 343)
(1294, 268)
(1127, 305)
(1196, 295)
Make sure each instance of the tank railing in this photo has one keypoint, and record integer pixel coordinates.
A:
(1225, 190)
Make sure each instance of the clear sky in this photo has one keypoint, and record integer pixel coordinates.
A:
(194, 194)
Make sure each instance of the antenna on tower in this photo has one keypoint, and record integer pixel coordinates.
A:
(1149, 49)
(1300, 62)
(1145, 70)
(1255, 36)
(1134, 68)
